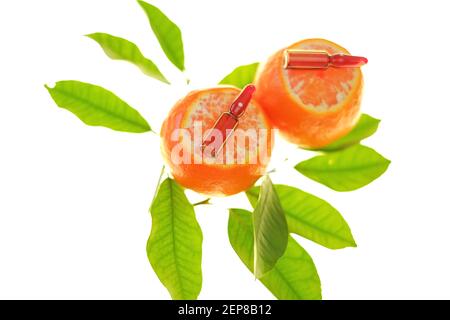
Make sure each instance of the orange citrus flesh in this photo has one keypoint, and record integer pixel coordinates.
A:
(220, 175)
(310, 107)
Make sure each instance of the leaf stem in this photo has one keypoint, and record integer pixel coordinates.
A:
(206, 201)
(157, 186)
(154, 132)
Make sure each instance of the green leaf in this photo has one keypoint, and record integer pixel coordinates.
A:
(365, 127)
(167, 33)
(345, 170)
(96, 106)
(294, 276)
(121, 49)
(241, 76)
(270, 229)
(174, 247)
(310, 217)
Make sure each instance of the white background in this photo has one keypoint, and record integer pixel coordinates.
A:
(74, 199)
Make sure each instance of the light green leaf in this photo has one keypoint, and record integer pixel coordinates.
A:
(174, 247)
(270, 229)
(294, 276)
(365, 127)
(345, 170)
(241, 76)
(167, 33)
(96, 106)
(121, 49)
(310, 217)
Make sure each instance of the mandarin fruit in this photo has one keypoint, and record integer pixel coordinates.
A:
(237, 166)
(310, 107)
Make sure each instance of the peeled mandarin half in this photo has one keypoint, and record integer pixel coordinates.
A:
(310, 107)
(237, 166)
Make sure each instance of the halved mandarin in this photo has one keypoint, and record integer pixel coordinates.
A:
(310, 107)
(241, 161)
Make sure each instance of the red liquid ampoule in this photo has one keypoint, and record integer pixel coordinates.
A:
(229, 120)
(312, 59)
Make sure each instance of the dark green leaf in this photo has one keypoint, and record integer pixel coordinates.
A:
(294, 276)
(310, 217)
(97, 106)
(241, 76)
(121, 49)
(270, 229)
(345, 170)
(167, 33)
(365, 127)
(174, 247)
